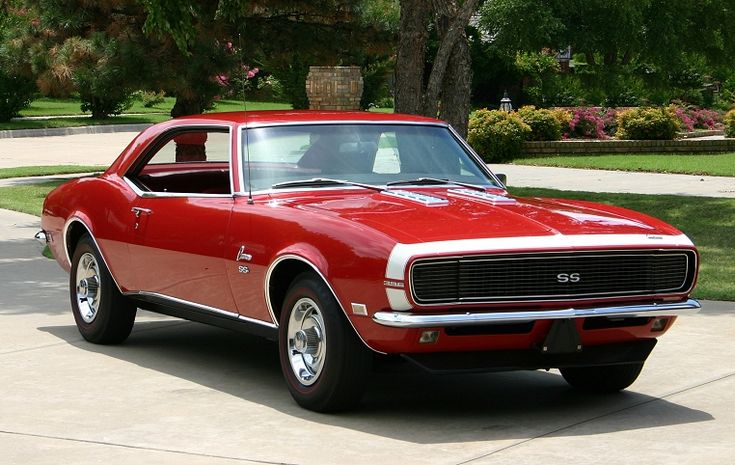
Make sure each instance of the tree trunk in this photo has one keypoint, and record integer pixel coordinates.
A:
(454, 32)
(457, 89)
(186, 106)
(410, 61)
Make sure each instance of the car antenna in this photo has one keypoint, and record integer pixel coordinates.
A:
(245, 108)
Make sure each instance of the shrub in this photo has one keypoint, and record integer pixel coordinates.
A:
(686, 123)
(563, 116)
(150, 99)
(497, 135)
(544, 124)
(695, 118)
(704, 119)
(730, 123)
(587, 123)
(16, 94)
(647, 124)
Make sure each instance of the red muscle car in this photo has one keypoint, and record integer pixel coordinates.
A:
(349, 236)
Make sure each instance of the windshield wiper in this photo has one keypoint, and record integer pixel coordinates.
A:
(429, 180)
(323, 182)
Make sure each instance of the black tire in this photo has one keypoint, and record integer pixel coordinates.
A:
(102, 314)
(331, 361)
(602, 379)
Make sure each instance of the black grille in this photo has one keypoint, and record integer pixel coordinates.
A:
(551, 276)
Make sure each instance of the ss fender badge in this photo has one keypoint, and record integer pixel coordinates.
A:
(243, 269)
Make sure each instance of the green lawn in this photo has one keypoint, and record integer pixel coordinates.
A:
(66, 107)
(27, 198)
(25, 171)
(82, 121)
(700, 164)
(709, 222)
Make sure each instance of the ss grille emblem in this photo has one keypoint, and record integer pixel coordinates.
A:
(568, 278)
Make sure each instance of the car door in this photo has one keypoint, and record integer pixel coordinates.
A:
(180, 216)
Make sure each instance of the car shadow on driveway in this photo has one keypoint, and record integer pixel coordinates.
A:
(411, 406)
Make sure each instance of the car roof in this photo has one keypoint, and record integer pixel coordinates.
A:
(272, 117)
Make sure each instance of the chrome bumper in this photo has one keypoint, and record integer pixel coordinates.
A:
(414, 320)
(42, 237)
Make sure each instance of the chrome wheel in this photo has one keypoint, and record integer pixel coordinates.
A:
(88, 287)
(306, 339)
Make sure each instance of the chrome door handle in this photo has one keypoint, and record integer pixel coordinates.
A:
(140, 210)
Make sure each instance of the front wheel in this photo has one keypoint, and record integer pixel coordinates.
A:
(323, 361)
(102, 314)
(602, 379)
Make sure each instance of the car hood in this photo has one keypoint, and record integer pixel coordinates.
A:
(460, 216)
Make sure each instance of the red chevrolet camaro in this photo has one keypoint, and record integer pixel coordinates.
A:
(350, 236)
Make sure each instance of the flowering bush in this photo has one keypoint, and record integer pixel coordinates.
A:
(730, 123)
(695, 118)
(704, 119)
(647, 124)
(587, 123)
(497, 135)
(685, 121)
(544, 124)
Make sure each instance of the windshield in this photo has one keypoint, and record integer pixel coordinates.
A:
(375, 154)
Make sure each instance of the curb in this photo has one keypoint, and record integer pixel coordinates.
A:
(101, 129)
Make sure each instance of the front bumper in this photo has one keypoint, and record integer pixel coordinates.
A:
(423, 320)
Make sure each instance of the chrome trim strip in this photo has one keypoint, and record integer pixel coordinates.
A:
(151, 195)
(478, 159)
(403, 253)
(255, 125)
(206, 308)
(414, 320)
(318, 272)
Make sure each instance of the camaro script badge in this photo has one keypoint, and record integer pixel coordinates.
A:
(568, 277)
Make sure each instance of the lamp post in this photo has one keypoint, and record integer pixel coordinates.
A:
(505, 103)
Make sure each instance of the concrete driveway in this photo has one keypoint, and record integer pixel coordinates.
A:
(182, 393)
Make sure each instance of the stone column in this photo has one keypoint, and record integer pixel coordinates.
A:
(334, 87)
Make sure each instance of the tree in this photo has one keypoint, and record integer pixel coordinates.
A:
(638, 40)
(16, 85)
(444, 89)
(284, 36)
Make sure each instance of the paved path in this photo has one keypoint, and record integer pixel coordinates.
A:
(617, 181)
(182, 393)
(80, 149)
(102, 149)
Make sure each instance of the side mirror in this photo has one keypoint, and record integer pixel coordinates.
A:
(503, 178)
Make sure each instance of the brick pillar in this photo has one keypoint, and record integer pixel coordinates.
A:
(334, 87)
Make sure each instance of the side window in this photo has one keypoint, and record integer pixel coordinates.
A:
(192, 162)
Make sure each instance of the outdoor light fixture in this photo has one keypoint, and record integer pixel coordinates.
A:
(505, 104)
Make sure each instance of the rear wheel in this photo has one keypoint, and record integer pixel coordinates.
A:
(602, 379)
(323, 361)
(102, 314)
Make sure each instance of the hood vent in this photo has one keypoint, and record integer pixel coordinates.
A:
(483, 196)
(423, 199)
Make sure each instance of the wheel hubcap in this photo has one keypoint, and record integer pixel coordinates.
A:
(306, 341)
(88, 287)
